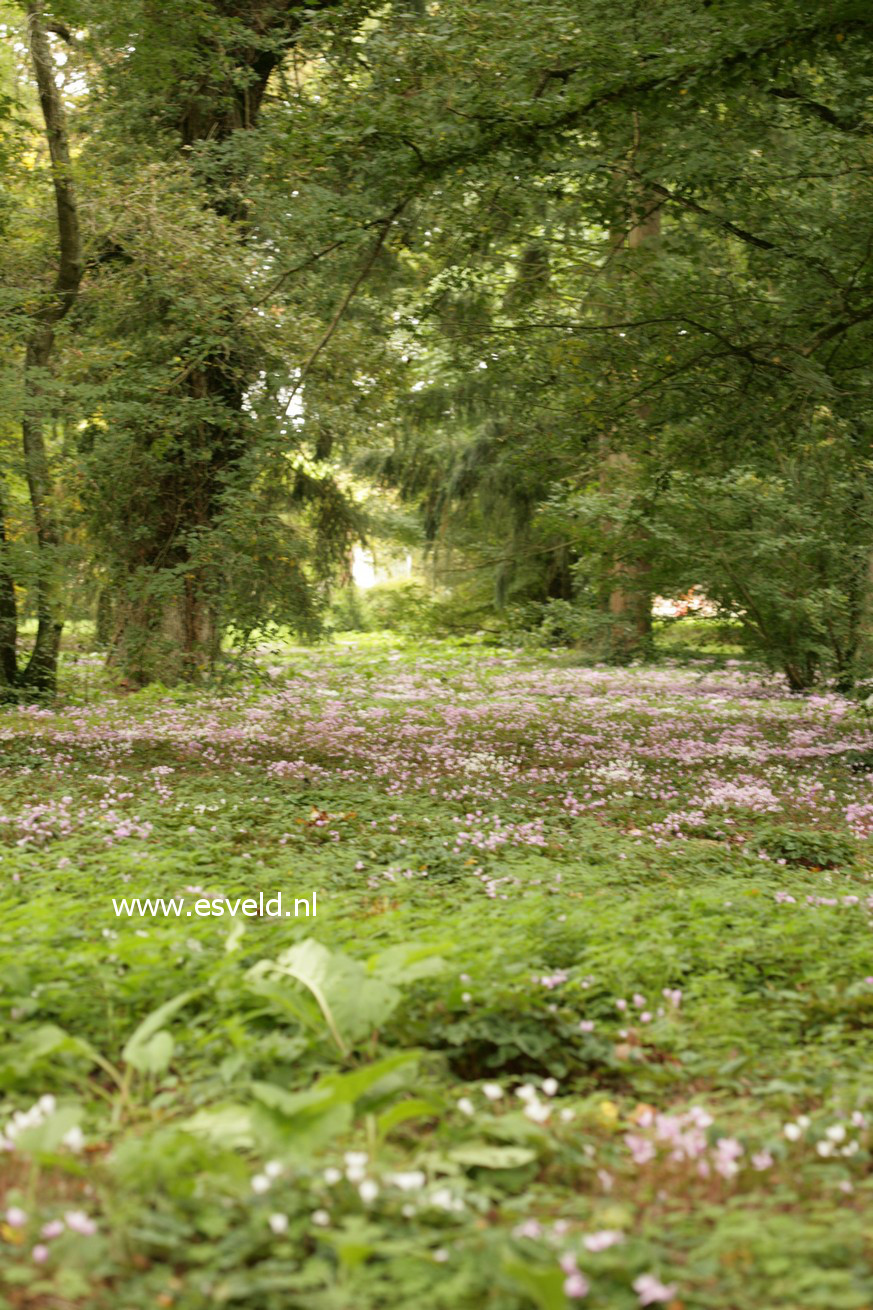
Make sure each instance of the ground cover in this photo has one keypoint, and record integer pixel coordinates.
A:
(583, 1017)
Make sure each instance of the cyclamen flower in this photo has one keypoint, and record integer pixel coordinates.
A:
(538, 1111)
(727, 1152)
(651, 1290)
(411, 1180)
(576, 1286)
(603, 1240)
(641, 1148)
(78, 1222)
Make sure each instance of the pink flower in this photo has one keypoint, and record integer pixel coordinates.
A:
(727, 1151)
(576, 1286)
(602, 1240)
(78, 1222)
(650, 1289)
(640, 1148)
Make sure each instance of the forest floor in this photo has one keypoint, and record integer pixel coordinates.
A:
(583, 1017)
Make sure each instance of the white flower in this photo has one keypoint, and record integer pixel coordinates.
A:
(356, 1159)
(792, 1132)
(260, 1184)
(527, 1092)
(825, 1148)
(493, 1091)
(74, 1138)
(550, 1086)
(368, 1191)
(16, 1217)
(538, 1111)
(567, 1115)
(466, 1106)
(411, 1180)
(272, 1168)
(332, 1175)
(278, 1223)
(836, 1133)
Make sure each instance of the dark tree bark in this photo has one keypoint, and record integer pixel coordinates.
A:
(40, 673)
(628, 599)
(8, 613)
(178, 636)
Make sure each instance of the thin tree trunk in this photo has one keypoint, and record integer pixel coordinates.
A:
(628, 599)
(41, 671)
(8, 612)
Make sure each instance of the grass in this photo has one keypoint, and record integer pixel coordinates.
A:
(584, 1016)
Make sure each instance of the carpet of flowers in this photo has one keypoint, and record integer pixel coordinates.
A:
(584, 1018)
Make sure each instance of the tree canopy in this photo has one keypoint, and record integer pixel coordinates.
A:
(587, 286)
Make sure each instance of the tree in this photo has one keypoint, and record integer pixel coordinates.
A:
(48, 308)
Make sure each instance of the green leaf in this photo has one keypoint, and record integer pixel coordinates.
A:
(141, 1051)
(483, 1156)
(544, 1284)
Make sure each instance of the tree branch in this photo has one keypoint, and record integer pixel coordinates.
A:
(69, 242)
(823, 112)
(334, 323)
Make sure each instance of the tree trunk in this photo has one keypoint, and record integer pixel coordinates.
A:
(40, 674)
(169, 630)
(171, 640)
(8, 613)
(628, 600)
